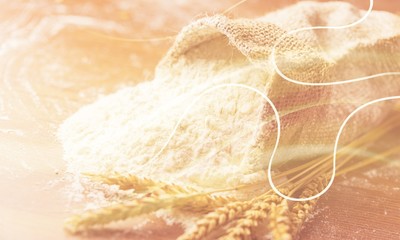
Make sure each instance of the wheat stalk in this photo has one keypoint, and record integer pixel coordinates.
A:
(154, 189)
(283, 221)
(141, 185)
(114, 213)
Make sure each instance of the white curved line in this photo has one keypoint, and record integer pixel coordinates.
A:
(213, 89)
(276, 112)
(334, 154)
(280, 73)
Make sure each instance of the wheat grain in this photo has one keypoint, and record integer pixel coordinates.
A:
(141, 185)
(206, 203)
(260, 207)
(171, 189)
(252, 217)
(199, 202)
(161, 189)
(301, 210)
(215, 219)
(125, 182)
(279, 221)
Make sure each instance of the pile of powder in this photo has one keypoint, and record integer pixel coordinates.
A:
(225, 138)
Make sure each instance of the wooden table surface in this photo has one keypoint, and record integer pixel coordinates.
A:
(55, 57)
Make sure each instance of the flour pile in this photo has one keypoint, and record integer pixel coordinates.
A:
(226, 137)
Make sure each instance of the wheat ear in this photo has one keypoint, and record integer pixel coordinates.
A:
(258, 212)
(215, 219)
(206, 204)
(125, 182)
(301, 210)
(199, 202)
(141, 185)
(279, 222)
(116, 212)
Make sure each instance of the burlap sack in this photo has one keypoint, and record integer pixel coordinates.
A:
(225, 138)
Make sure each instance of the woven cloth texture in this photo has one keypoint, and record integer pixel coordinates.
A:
(225, 137)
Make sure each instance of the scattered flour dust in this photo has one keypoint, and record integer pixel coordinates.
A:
(126, 132)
